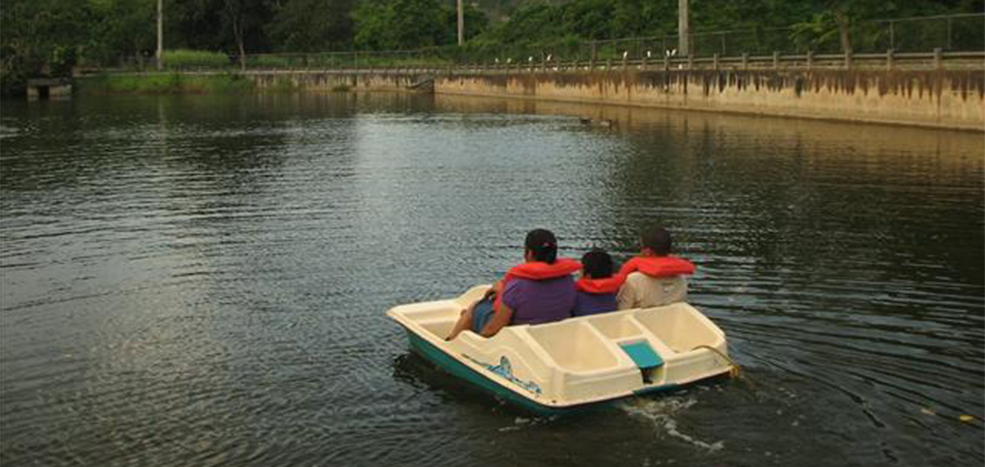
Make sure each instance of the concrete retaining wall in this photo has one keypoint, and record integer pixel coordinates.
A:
(931, 98)
(935, 98)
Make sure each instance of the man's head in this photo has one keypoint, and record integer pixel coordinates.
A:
(541, 245)
(596, 264)
(656, 240)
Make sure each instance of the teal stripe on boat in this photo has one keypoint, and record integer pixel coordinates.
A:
(449, 364)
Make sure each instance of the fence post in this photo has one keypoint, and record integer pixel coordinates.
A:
(714, 61)
(938, 56)
(608, 64)
(745, 60)
(666, 61)
(643, 63)
(594, 52)
(848, 59)
(810, 59)
(776, 60)
(690, 61)
(889, 59)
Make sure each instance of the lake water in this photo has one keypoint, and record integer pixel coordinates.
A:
(202, 280)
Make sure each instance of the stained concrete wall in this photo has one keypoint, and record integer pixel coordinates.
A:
(333, 80)
(935, 98)
(932, 98)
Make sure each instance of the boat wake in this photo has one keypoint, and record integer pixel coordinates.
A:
(662, 412)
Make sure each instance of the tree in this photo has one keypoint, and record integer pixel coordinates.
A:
(122, 28)
(312, 25)
(39, 37)
(191, 24)
(476, 22)
(243, 19)
(398, 24)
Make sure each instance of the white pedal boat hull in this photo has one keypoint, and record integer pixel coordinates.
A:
(557, 366)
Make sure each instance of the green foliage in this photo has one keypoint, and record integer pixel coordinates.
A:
(311, 25)
(836, 25)
(61, 60)
(242, 24)
(531, 23)
(184, 59)
(476, 22)
(48, 37)
(398, 24)
(270, 61)
(124, 28)
(39, 38)
(192, 24)
(165, 83)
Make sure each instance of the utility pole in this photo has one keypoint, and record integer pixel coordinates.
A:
(160, 34)
(683, 31)
(461, 24)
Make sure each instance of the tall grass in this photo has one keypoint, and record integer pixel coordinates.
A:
(183, 59)
(269, 61)
(165, 83)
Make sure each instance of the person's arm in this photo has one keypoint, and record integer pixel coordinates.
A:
(496, 288)
(501, 318)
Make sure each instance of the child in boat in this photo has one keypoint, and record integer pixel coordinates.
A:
(540, 290)
(596, 290)
(654, 278)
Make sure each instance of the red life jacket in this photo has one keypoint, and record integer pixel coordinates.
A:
(604, 285)
(538, 271)
(657, 266)
(653, 266)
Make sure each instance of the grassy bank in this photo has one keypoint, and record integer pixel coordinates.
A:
(164, 83)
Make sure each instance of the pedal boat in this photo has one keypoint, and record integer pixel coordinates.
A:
(554, 367)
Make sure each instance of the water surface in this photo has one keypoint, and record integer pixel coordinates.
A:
(202, 280)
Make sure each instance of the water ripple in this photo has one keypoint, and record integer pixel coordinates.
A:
(201, 281)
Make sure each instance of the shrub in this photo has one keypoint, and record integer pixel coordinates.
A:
(267, 61)
(165, 83)
(183, 59)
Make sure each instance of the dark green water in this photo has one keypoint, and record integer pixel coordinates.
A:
(202, 280)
